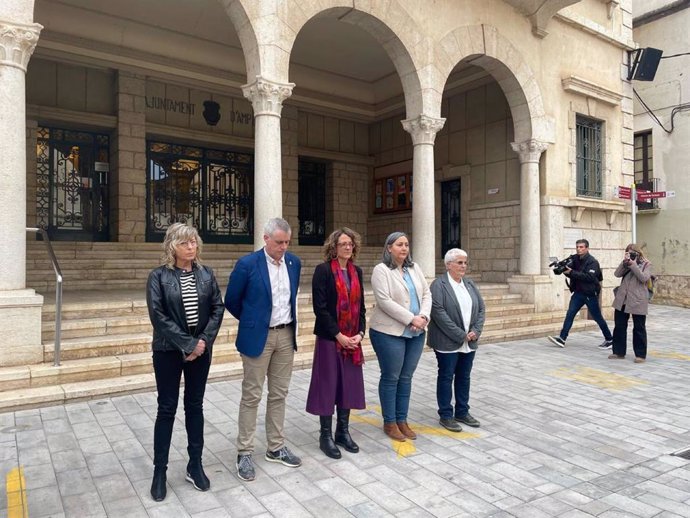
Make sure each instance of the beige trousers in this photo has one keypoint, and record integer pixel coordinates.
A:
(275, 363)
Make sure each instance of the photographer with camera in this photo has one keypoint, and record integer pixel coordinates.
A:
(585, 284)
(632, 298)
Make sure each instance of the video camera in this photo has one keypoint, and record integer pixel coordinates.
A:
(560, 266)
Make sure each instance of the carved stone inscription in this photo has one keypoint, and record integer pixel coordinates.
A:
(175, 105)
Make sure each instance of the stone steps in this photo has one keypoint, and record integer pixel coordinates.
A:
(86, 378)
(93, 266)
(124, 327)
(24, 395)
(106, 334)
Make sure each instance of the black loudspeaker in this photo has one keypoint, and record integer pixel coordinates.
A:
(645, 63)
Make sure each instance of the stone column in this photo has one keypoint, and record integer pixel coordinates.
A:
(267, 100)
(20, 308)
(423, 130)
(128, 180)
(530, 224)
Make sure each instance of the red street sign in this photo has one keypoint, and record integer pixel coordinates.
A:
(623, 192)
(644, 196)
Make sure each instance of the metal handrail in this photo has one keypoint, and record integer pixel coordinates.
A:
(58, 291)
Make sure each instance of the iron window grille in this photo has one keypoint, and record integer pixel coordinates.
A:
(211, 189)
(72, 184)
(589, 162)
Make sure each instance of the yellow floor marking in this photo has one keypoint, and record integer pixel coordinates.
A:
(403, 449)
(670, 355)
(601, 379)
(16, 494)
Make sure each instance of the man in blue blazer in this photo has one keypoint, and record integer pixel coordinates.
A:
(262, 295)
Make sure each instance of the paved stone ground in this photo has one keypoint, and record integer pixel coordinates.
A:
(565, 432)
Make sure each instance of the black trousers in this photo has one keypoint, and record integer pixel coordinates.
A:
(620, 334)
(168, 367)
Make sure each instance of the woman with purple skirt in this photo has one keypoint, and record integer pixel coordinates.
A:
(336, 377)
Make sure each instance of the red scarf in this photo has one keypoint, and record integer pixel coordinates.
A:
(347, 307)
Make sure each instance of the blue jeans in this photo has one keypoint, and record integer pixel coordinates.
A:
(454, 371)
(577, 300)
(398, 358)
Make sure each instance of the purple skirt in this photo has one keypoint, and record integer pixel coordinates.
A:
(335, 381)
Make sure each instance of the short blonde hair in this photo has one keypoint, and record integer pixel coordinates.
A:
(330, 247)
(179, 233)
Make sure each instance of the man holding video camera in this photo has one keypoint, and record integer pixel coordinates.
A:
(585, 284)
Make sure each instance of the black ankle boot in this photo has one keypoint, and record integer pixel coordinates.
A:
(326, 443)
(158, 487)
(342, 431)
(196, 475)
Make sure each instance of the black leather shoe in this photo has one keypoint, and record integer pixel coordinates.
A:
(326, 443)
(196, 475)
(342, 432)
(468, 420)
(158, 486)
(450, 424)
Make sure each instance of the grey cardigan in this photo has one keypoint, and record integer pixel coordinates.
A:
(446, 329)
(633, 288)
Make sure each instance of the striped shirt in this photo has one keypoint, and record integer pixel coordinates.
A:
(190, 298)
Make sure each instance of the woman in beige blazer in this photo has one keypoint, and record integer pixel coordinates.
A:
(397, 330)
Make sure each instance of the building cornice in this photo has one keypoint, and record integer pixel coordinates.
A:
(577, 85)
(580, 22)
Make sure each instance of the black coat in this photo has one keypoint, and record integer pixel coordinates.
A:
(166, 311)
(585, 276)
(325, 302)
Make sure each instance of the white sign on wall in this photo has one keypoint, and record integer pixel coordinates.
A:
(570, 235)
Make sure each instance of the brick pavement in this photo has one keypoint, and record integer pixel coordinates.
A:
(565, 432)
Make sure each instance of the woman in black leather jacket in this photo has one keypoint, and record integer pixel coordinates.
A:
(186, 311)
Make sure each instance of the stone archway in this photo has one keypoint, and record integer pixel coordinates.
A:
(240, 14)
(411, 54)
(484, 46)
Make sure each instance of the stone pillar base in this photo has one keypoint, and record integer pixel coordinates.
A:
(538, 290)
(20, 314)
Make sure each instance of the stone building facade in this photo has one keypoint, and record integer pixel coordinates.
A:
(500, 126)
(662, 150)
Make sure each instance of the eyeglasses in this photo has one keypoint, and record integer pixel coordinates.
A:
(346, 245)
(460, 262)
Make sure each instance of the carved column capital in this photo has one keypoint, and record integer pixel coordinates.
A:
(423, 128)
(529, 150)
(17, 43)
(267, 96)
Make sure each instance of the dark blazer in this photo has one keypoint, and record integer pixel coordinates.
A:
(446, 329)
(325, 301)
(166, 311)
(248, 298)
